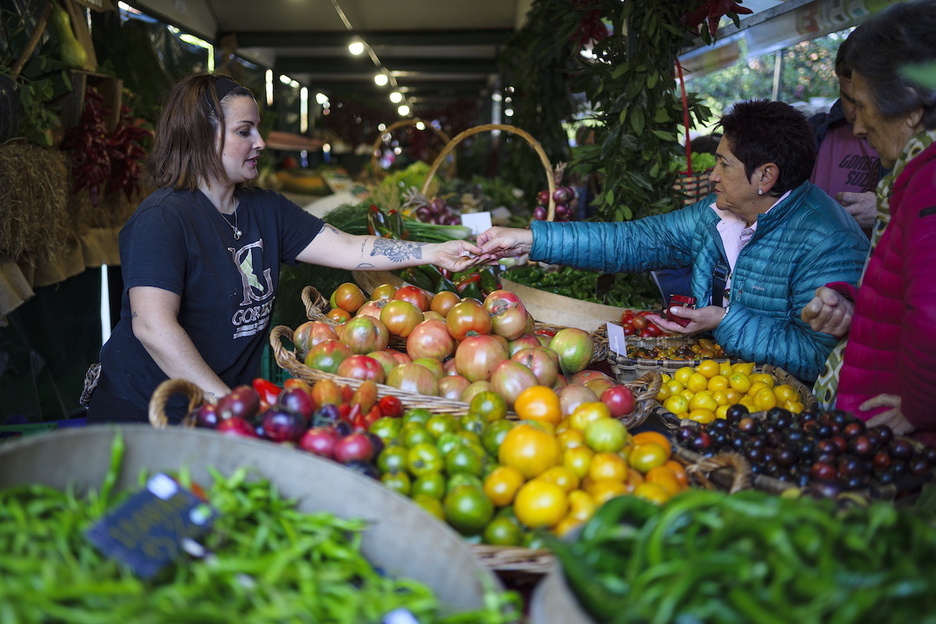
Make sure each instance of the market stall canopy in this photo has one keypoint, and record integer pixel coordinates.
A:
(437, 52)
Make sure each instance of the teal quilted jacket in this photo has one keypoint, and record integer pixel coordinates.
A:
(804, 242)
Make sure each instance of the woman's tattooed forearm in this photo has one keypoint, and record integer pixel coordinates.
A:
(397, 251)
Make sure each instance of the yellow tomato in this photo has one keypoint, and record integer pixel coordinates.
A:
(588, 412)
(663, 394)
(697, 382)
(577, 460)
(540, 504)
(581, 505)
(603, 490)
(653, 492)
(724, 369)
(757, 386)
(655, 437)
(663, 476)
(539, 403)
(645, 456)
(676, 403)
(702, 416)
(708, 368)
(688, 394)
(561, 476)
(607, 466)
(765, 399)
(743, 367)
(674, 387)
(718, 382)
(570, 438)
(722, 411)
(501, 485)
(786, 392)
(733, 396)
(703, 400)
(530, 450)
(682, 374)
(739, 382)
(768, 380)
(721, 398)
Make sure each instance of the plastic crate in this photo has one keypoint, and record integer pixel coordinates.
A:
(270, 370)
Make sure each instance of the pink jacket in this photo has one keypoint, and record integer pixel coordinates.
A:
(892, 341)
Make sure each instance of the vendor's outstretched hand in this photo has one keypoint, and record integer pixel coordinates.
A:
(701, 319)
(456, 255)
(499, 242)
(829, 312)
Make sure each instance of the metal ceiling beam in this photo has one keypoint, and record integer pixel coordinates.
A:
(262, 39)
(351, 65)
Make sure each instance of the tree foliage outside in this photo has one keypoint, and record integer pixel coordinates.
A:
(807, 72)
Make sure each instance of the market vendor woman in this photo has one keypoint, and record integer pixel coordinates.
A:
(758, 249)
(201, 256)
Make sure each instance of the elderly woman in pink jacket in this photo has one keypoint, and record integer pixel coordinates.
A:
(886, 369)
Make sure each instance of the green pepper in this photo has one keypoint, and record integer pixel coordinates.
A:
(446, 284)
(431, 273)
(395, 219)
(377, 223)
(417, 278)
(473, 291)
(489, 281)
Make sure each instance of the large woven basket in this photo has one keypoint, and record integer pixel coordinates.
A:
(506, 560)
(316, 308)
(544, 160)
(381, 138)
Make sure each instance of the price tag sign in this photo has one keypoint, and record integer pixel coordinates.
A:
(617, 341)
(153, 526)
(477, 221)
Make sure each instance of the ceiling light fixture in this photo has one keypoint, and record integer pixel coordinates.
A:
(403, 110)
(390, 79)
(381, 79)
(356, 47)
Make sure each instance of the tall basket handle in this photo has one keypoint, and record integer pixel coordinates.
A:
(550, 179)
(402, 123)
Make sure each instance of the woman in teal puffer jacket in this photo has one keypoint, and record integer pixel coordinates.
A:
(773, 235)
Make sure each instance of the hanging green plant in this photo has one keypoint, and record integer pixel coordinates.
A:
(640, 114)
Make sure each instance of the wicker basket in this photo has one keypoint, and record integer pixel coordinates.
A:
(694, 185)
(544, 160)
(316, 307)
(627, 368)
(732, 472)
(379, 173)
(672, 422)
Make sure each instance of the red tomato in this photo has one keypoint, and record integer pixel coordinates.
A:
(468, 316)
(627, 316)
(652, 330)
(629, 329)
(639, 322)
(391, 406)
(417, 296)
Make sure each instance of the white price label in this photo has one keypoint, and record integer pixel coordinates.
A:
(617, 341)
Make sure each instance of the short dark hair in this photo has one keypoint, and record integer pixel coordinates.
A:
(901, 35)
(184, 149)
(762, 131)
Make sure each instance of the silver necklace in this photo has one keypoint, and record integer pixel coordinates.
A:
(236, 230)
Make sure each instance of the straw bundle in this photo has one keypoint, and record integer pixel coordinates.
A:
(34, 221)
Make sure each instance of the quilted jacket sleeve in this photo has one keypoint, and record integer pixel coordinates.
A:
(649, 243)
(917, 348)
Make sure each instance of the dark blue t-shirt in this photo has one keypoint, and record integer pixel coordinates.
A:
(178, 241)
